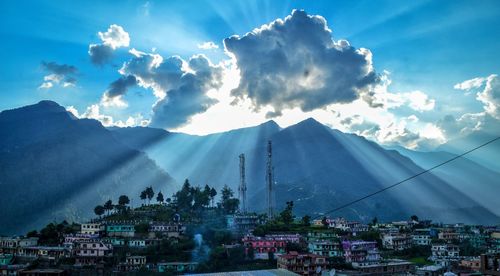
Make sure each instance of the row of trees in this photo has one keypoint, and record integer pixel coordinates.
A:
(108, 206)
(188, 198)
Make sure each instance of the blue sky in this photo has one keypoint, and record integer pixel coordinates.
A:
(427, 46)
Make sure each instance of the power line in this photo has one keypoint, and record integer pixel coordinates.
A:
(409, 178)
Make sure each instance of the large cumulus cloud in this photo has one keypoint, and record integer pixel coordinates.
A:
(295, 63)
(487, 91)
(180, 86)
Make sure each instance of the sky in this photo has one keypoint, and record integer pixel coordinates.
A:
(406, 73)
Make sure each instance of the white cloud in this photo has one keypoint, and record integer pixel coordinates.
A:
(419, 101)
(490, 96)
(94, 112)
(295, 63)
(208, 45)
(470, 84)
(115, 37)
(59, 74)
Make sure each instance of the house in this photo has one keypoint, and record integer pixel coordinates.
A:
(91, 252)
(448, 235)
(397, 242)
(445, 254)
(471, 264)
(168, 230)
(360, 252)
(303, 264)
(132, 263)
(6, 259)
(114, 241)
(177, 267)
(430, 270)
(120, 230)
(92, 228)
(321, 235)
(327, 248)
(275, 244)
(9, 245)
(490, 264)
(242, 223)
(445, 250)
(421, 237)
(389, 267)
(50, 253)
(136, 243)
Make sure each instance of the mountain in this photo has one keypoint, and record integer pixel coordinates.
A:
(55, 166)
(317, 167)
(487, 156)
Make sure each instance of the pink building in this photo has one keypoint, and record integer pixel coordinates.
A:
(276, 244)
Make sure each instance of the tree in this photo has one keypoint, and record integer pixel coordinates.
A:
(150, 194)
(108, 206)
(374, 221)
(123, 200)
(227, 202)
(159, 198)
(306, 220)
(287, 215)
(414, 218)
(99, 210)
(144, 195)
(184, 196)
(213, 193)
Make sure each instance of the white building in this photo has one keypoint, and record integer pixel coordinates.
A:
(92, 228)
(421, 237)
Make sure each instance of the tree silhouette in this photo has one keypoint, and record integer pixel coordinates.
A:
(108, 206)
(150, 194)
(99, 210)
(144, 195)
(159, 198)
(213, 193)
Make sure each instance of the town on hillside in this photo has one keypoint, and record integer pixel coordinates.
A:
(191, 233)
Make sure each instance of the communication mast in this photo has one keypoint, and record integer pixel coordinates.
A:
(270, 180)
(242, 189)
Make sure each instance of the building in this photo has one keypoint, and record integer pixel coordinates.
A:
(448, 235)
(490, 264)
(132, 263)
(10, 245)
(177, 267)
(48, 253)
(397, 242)
(242, 223)
(322, 235)
(361, 252)
(421, 237)
(445, 250)
(91, 252)
(430, 270)
(136, 243)
(326, 248)
(169, 230)
(470, 264)
(92, 228)
(303, 264)
(275, 244)
(389, 267)
(445, 254)
(120, 230)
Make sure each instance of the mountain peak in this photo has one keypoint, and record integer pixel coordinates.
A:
(270, 124)
(34, 110)
(310, 122)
